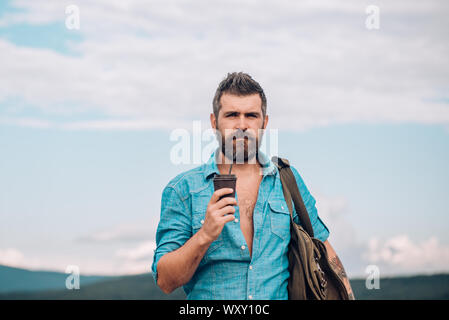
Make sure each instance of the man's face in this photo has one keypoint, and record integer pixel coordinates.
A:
(239, 122)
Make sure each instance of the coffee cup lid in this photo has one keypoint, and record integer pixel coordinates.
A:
(225, 176)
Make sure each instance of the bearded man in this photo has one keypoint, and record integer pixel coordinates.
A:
(221, 247)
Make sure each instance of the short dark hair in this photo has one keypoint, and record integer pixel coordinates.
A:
(240, 84)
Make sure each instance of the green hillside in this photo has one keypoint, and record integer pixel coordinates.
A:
(120, 288)
(16, 279)
(143, 287)
(424, 287)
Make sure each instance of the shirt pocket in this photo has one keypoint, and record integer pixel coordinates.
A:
(280, 218)
(198, 218)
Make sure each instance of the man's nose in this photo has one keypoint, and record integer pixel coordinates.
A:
(243, 124)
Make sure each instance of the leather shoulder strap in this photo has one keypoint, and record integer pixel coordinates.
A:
(291, 192)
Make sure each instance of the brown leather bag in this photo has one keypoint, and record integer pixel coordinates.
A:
(311, 275)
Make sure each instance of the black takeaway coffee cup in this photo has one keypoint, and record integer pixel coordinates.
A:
(225, 181)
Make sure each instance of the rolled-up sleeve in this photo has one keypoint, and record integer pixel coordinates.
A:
(320, 230)
(174, 227)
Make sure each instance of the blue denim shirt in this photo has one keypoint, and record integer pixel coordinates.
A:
(227, 271)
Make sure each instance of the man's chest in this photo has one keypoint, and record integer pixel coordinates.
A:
(262, 220)
(247, 192)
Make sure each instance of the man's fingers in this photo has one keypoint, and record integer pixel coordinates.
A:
(228, 218)
(226, 201)
(219, 193)
(225, 210)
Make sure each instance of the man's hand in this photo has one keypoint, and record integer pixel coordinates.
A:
(338, 267)
(177, 267)
(218, 213)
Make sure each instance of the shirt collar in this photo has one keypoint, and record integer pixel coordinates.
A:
(268, 167)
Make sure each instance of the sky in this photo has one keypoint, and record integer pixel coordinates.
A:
(87, 118)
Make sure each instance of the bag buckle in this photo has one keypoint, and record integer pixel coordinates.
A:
(280, 162)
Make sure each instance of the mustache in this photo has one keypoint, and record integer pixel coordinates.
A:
(238, 134)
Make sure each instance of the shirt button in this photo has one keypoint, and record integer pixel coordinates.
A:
(250, 296)
(243, 247)
(251, 267)
(282, 207)
(236, 220)
(202, 221)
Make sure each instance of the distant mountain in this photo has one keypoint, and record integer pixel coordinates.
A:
(91, 288)
(421, 287)
(143, 287)
(16, 279)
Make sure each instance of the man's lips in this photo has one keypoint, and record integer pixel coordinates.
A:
(241, 138)
(246, 140)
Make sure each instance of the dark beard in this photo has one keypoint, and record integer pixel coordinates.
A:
(241, 151)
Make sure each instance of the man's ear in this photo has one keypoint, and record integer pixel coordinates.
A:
(213, 121)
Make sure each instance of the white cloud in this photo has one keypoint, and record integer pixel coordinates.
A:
(138, 259)
(333, 213)
(123, 249)
(130, 247)
(129, 232)
(399, 255)
(142, 65)
(14, 257)
(11, 257)
(144, 251)
(134, 260)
